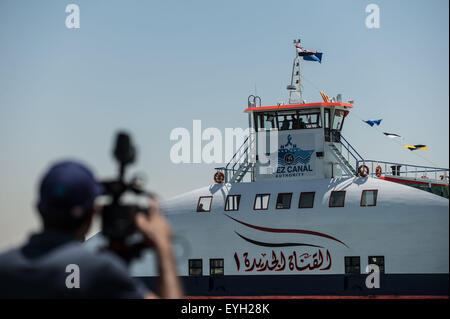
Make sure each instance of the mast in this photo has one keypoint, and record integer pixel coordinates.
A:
(295, 88)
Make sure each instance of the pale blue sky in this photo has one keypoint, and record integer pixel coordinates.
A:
(151, 66)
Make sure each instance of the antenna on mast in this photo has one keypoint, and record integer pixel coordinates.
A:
(295, 88)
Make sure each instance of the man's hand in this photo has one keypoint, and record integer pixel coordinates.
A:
(155, 227)
(158, 232)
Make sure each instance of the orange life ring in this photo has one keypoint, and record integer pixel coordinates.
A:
(378, 171)
(363, 170)
(219, 177)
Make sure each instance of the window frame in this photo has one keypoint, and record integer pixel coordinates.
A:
(210, 266)
(310, 126)
(326, 121)
(331, 195)
(341, 124)
(268, 202)
(260, 120)
(210, 204)
(282, 115)
(345, 265)
(201, 267)
(276, 203)
(382, 270)
(327, 124)
(300, 199)
(238, 203)
(376, 198)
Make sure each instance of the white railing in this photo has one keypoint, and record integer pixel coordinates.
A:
(406, 170)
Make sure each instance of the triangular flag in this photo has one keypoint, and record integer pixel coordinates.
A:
(391, 135)
(372, 122)
(325, 97)
(416, 147)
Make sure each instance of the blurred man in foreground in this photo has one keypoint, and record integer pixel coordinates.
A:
(42, 267)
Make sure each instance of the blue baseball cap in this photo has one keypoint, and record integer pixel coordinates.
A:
(68, 190)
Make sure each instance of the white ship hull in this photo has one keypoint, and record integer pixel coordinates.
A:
(302, 251)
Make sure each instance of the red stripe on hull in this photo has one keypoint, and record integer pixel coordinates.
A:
(405, 181)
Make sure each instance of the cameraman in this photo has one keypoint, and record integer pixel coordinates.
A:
(40, 269)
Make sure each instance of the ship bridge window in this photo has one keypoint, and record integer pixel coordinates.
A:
(232, 202)
(284, 200)
(298, 120)
(369, 197)
(352, 265)
(379, 261)
(286, 120)
(216, 267)
(204, 204)
(337, 199)
(309, 120)
(306, 200)
(261, 202)
(338, 120)
(265, 121)
(195, 267)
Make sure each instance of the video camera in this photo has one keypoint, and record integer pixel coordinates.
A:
(118, 218)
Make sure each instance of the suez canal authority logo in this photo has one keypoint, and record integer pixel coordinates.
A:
(294, 161)
(309, 257)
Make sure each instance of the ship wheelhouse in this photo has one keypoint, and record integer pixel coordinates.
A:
(327, 116)
(303, 134)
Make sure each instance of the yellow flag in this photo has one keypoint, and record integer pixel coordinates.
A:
(325, 97)
(416, 147)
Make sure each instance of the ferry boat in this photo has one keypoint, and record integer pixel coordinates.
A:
(311, 217)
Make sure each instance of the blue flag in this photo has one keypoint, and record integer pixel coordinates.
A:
(371, 123)
(314, 57)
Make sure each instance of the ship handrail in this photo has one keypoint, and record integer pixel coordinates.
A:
(350, 146)
(410, 165)
(237, 152)
(408, 168)
(242, 154)
(351, 151)
(240, 157)
(407, 171)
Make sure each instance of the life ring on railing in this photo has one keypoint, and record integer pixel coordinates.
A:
(378, 171)
(363, 170)
(219, 177)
